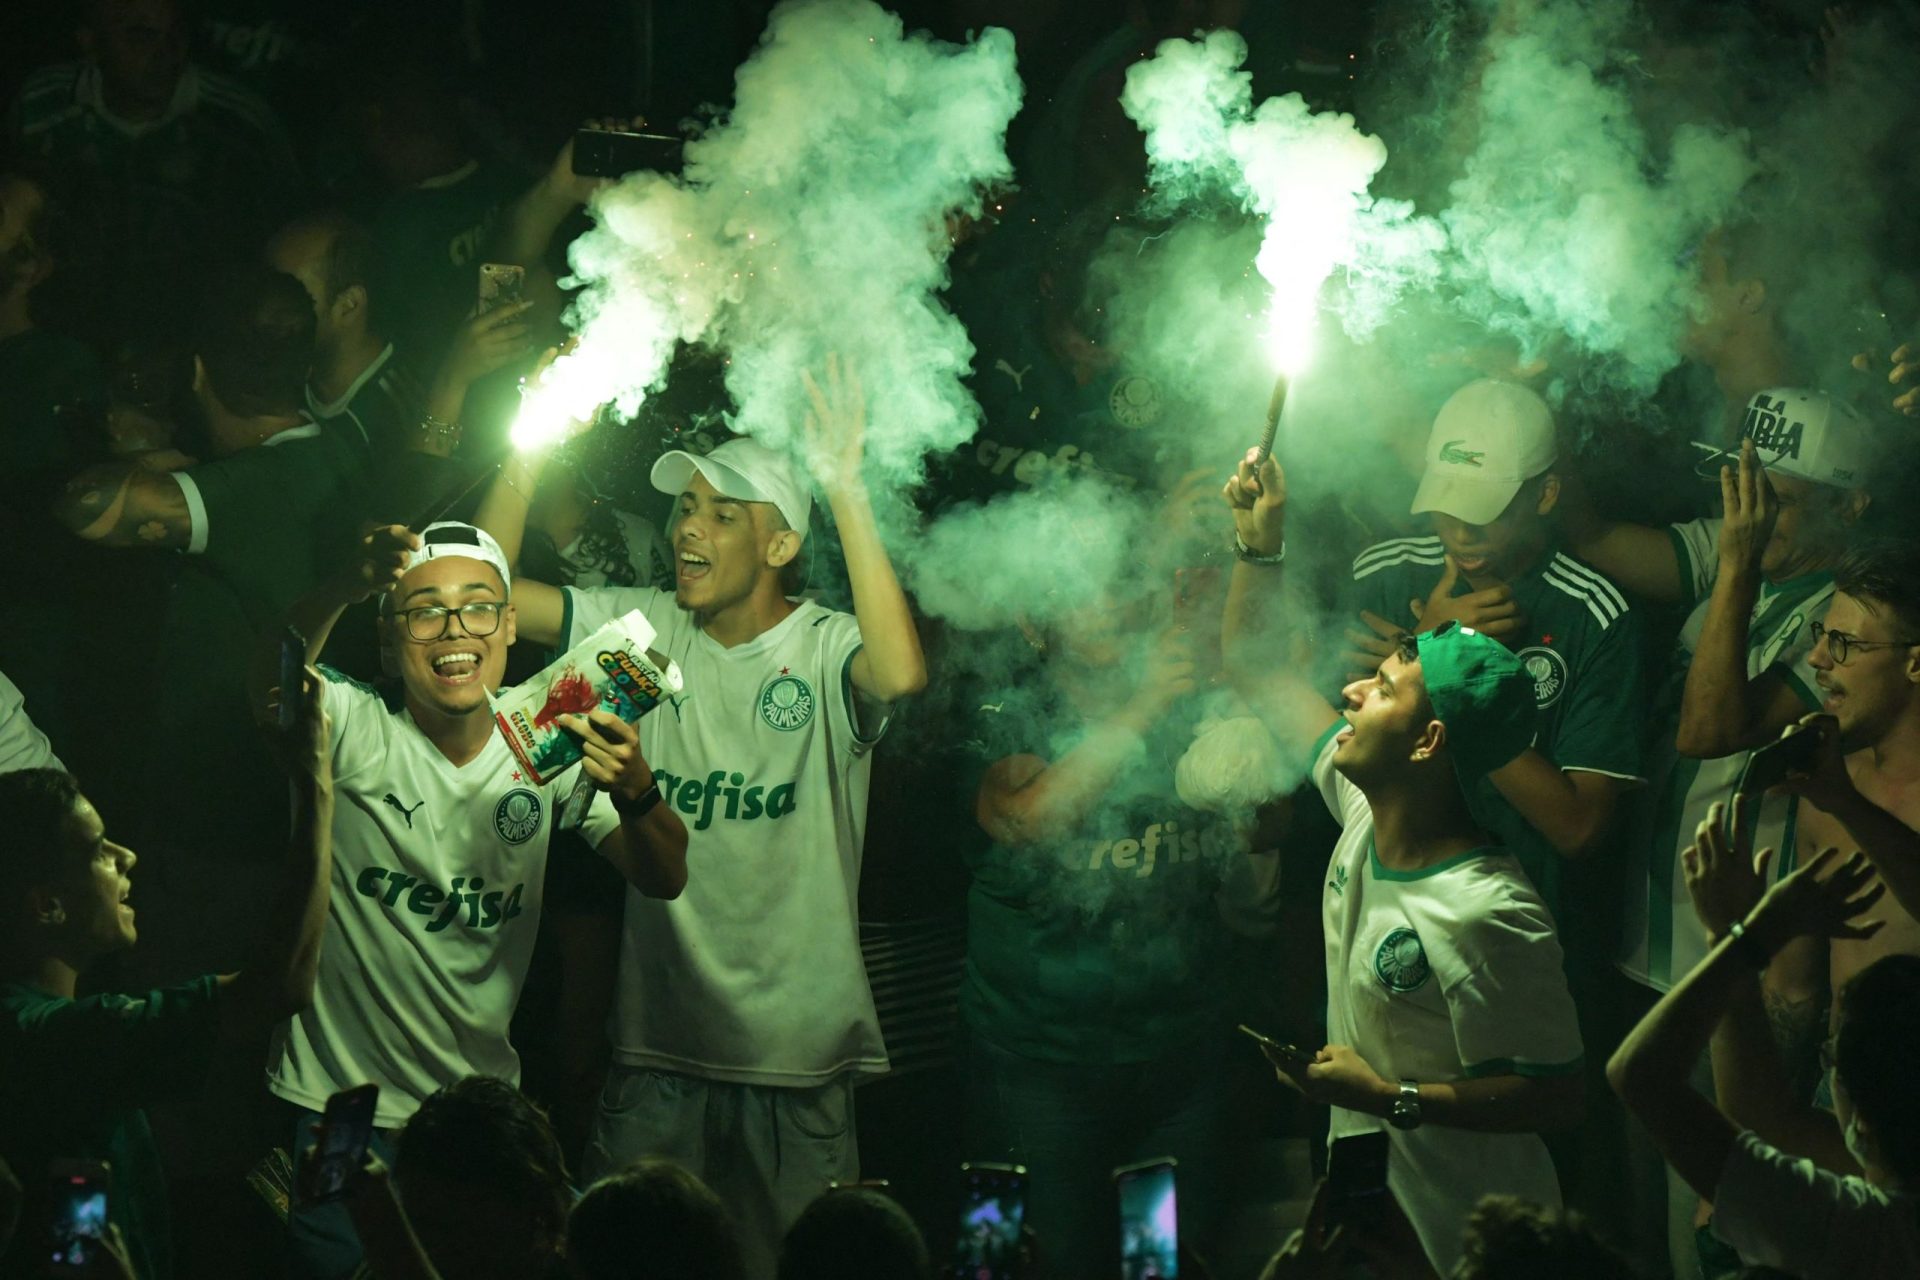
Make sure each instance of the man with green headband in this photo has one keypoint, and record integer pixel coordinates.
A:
(1449, 1022)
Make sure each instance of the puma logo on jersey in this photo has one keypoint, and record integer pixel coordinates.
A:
(1452, 452)
(698, 800)
(1019, 376)
(405, 812)
(484, 910)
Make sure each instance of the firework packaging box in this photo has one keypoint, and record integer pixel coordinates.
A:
(613, 669)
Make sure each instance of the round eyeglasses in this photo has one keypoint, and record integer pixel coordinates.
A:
(1841, 645)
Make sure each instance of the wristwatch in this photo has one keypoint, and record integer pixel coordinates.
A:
(1406, 1107)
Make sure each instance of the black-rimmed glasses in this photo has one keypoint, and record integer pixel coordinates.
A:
(429, 622)
(1841, 645)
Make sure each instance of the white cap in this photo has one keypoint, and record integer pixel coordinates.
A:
(1808, 434)
(1488, 439)
(743, 469)
(445, 538)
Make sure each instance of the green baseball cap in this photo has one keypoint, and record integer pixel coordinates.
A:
(1482, 695)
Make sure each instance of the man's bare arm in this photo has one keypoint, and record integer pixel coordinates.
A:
(119, 504)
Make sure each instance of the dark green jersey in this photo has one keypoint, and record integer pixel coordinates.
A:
(1106, 946)
(1582, 647)
(75, 1076)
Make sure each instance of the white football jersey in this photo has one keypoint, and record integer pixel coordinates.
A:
(437, 875)
(754, 974)
(1451, 972)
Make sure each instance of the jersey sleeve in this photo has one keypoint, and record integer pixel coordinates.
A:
(587, 609)
(226, 498)
(1599, 729)
(1697, 545)
(1389, 574)
(116, 1050)
(1511, 1011)
(22, 745)
(602, 818)
(359, 722)
(859, 722)
(1795, 666)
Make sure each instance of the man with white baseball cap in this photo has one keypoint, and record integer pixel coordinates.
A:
(742, 1014)
(1493, 563)
(440, 843)
(1740, 671)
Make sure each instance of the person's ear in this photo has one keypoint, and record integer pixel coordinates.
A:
(348, 302)
(389, 656)
(1750, 296)
(782, 548)
(1431, 739)
(1549, 494)
(510, 624)
(47, 908)
(1854, 505)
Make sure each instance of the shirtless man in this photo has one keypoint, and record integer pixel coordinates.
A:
(1863, 790)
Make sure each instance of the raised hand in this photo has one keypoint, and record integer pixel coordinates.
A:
(382, 560)
(1819, 900)
(1170, 674)
(1724, 877)
(1750, 507)
(836, 425)
(1257, 496)
(487, 342)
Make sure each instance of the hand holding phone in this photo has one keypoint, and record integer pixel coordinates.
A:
(501, 284)
(1291, 1053)
(1794, 752)
(1357, 1179)
(614, 153)
(328, 1170)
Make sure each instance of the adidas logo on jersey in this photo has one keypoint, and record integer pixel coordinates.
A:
(483, 910)
(698, 800)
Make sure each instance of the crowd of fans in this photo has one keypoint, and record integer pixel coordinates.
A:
(1617, 985)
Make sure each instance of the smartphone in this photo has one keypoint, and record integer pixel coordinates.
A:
(346, 1130)
(858, 1184)
(293, 663)
(77, 1210)
(992, 1213)
(605, 153)
(1291, 1052)
(1357, 1178)
(1149, 1220)
(500, 285)
(1771, 765)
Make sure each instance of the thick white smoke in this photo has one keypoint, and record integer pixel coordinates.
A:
(811, 218)
(1304, 174)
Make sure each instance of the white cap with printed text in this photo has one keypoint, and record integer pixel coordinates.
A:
(1803, 433)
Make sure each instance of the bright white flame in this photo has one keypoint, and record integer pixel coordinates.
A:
(1290, 335)
(567, 397)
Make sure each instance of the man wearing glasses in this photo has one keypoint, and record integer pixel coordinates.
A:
(1858, 793)
(441, 844)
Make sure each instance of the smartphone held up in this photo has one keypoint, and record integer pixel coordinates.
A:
(1149, 1221)
(77, 1198)
(611, 153)
(340, 1148)
(993, 1212)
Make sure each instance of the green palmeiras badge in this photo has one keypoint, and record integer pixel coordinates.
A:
(1548, 671)
(1401, 962)
(787, 702)
(517, 816)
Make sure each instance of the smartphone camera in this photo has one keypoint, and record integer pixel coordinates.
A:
(992, 1213)
(1149, 1221)
(77, 1211)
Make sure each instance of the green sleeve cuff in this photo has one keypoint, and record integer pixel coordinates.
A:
(1531, 1070)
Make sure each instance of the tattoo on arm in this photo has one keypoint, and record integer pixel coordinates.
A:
(127, 506)
(1796, 1026)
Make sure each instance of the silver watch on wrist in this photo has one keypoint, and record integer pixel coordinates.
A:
(1406, 1107)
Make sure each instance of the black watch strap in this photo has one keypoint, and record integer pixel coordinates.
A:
(640, 806)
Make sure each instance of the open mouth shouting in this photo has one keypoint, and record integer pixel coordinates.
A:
(691, 567)
(458, 665)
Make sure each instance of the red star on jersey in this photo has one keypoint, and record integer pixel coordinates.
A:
(516, 775)
(1546, 639)
(786, 670)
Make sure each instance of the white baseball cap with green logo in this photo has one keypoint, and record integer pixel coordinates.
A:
(1488, 439)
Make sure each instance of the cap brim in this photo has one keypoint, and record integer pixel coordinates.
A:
(1474, 501)
(674, 469)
